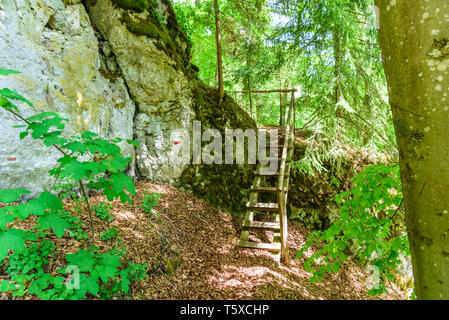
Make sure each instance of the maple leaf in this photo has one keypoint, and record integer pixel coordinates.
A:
(82, 259)
(11, 195)
(54, 221)
(11, 240)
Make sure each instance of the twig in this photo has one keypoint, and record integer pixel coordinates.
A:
(80, 181)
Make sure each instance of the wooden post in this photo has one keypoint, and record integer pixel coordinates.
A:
(250, 96)
(294, 115)
(281, 120)
(285, 258)
(283, 183)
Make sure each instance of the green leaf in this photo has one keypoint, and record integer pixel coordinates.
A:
(10, 195)
(55, 222)
(87, 135)
(42, 116)
(6, 72)
(5, 217)
(82, 259)
(11, 94)
(23, 134)
(76, 146)
(90, 284)
(125, 282)
(4, 286)
(54, 138)
(11, 240)
(50, 201)
(111, 260)
(6, 104)
(134, 143)
(106, 272)
(121, 182)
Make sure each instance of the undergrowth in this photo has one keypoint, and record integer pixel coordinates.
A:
(27, 257)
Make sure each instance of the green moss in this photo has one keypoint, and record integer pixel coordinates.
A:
(90, 3)
(135, 5)
(173, 263)
(141, 27)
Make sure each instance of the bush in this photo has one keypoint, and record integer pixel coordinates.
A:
(25, 254)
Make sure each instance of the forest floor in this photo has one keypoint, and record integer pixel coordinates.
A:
(192, 253)
(213, 266)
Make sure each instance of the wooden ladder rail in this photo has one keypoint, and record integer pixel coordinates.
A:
(284, 180)
(280, 227)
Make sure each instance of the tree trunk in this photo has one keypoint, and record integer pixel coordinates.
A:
(248, 78)
(219, 53)
(414, 37)
(338, 60)
(250, 96)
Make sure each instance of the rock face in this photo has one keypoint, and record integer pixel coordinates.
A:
(160, 90)
(54, 46)
(121, 69)
(154, 55)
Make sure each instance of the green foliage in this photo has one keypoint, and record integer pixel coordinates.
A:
(110, 234)
(150, 200)
(4, 72)
(366, 223)
(103, 212)
(11, 195)
(103, 274)
(76, 226)
(85, 158)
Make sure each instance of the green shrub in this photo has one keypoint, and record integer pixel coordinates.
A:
(103, 212)
(110, 234)
(150, 201)
(366, 222)
(25, 255)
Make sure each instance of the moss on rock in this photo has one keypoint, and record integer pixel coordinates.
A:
(135, 5)
(224, 186)
(140, 27)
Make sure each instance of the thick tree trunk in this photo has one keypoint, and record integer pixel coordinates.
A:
(219, 53)
(414, 37)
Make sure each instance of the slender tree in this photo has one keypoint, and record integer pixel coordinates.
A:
(219, 51)
(414, 37)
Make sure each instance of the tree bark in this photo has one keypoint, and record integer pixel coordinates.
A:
(338, 60)
(248, 78)
(219, 51)
(414, 37)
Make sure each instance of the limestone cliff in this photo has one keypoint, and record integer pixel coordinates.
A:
(119, 68)
(55, 48)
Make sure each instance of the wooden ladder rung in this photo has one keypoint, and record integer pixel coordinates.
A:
(262, 225)
(275, 174)
(266, 207)
(266, 189)
(257, 245)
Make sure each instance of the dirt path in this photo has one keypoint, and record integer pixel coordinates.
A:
(213, 266)
(205, 239)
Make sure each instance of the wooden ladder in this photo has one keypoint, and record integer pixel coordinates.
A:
(254, 206)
